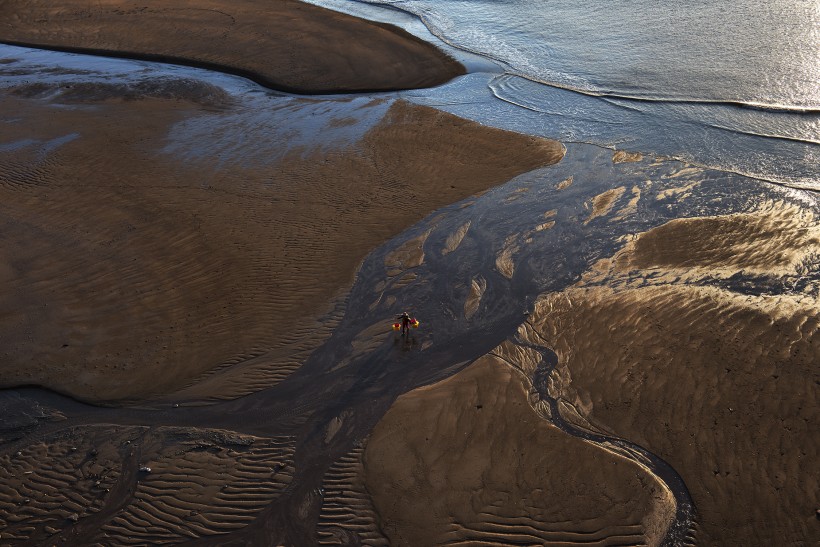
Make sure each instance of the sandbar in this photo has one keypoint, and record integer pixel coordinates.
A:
(285, 45)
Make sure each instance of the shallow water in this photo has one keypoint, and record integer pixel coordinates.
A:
(726, 137)
(735, 86)
(258, 126)
(749, 51)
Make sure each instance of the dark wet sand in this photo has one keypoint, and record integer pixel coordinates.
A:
(665, 345)
(121, 259)
(283, 44)
(131, 272)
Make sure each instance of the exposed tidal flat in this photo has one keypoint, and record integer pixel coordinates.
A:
(617, 347)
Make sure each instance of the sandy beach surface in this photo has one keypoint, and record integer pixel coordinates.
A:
(657, 346)
(121, 259)
(283, 44)
(740, 438)
(198, 278)
(471, 460)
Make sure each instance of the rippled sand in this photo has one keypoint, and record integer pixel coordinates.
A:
(167, 243)
(175, 484)
(661, 345)
(721, 384)
(120, 259)
(469, 460)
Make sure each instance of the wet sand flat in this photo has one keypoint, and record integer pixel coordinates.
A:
(284, 44)
(689, 349)
(174, 484)
(120, 258)
(615, 350)
(470, 461)
(721, 384)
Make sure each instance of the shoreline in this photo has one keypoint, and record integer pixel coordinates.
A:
(294, 47)
(229, 70)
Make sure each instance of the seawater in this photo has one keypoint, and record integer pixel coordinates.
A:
(749, 51)
(733, 85)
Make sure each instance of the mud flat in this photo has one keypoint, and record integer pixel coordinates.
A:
(285, 44)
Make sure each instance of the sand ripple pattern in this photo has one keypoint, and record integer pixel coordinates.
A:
(101, 485)
(495, 529)
(629, 336)
(120, 260)
(200, 488)
(50, 484)
(469, 461)
(348, 516)
(254, 372)
(681, 320)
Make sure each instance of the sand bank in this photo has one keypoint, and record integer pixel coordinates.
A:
(285, 44)
(720, 383)
(659, 345)
(128, 272)
(469, 460)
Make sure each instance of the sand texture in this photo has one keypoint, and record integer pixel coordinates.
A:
(469, 461)
(678, 353)
(283, 44)
(176, 484)
(348, 515)
(630, 343)
(198, 278)
(119, 258)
